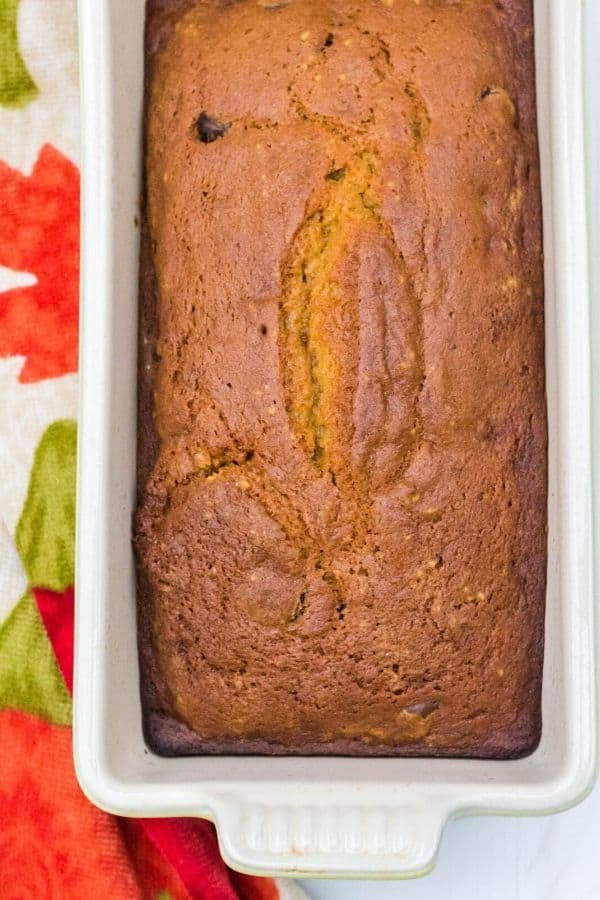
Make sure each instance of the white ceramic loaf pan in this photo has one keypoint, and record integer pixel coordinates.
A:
(316, 816)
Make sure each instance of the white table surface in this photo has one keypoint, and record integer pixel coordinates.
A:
(554, 858)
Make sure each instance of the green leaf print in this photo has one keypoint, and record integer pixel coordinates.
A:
(46, 531)
(17, 87)
(29, 675)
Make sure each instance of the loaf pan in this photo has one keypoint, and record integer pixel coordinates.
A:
(316, 816)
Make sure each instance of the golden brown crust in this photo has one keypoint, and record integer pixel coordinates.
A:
(341, 525)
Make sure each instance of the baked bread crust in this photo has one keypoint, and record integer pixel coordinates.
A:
(342, 429)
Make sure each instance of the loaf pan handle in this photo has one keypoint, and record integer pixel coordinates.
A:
(338, 840)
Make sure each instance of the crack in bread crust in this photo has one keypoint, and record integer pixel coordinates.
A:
(312, 297)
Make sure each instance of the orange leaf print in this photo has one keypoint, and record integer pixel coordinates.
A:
(39, 234)
(53, 843)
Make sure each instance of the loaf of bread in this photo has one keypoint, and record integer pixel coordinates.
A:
(341, 527)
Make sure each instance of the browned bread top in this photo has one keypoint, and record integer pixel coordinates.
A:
(341, 534)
